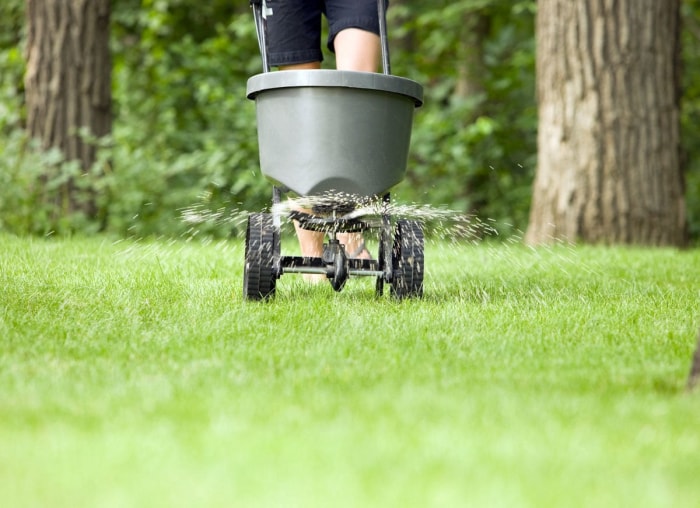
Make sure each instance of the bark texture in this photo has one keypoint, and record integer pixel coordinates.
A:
(694, 375)
(68, 78)
(608, 89)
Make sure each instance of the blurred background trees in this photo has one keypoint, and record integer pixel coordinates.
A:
(183, 133)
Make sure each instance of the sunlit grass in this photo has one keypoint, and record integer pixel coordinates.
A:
(133, 374)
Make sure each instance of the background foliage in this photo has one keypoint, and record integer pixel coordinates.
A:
(184, 134)
(690, 110)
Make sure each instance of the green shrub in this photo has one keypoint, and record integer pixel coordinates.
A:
(184, 134)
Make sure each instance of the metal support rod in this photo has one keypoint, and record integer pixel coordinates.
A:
(381, 10)
(258, 7)
(323, 271)
(276, 201)
(385, 243)
(277, 230)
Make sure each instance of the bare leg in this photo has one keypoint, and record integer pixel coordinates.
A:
(310, 242)
(301, 67)
(356, 50)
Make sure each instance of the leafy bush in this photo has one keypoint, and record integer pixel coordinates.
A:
(690, 113)
(184, 133)
(473, 152)
(183, 125)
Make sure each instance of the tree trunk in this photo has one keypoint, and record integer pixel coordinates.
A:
(694, 376)
(469, 60)
(68, 80)
(609, 133)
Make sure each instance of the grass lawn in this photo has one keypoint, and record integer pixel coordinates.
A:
(132, 374)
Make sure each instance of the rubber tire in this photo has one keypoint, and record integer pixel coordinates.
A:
(408, 260)
(259, 277)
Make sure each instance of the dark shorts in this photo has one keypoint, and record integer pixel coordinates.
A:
(294, 26)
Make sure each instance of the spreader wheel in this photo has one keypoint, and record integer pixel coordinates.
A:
(408, 260)
(261, 245)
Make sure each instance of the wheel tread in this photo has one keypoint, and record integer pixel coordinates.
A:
(259, 278)
(408, 260)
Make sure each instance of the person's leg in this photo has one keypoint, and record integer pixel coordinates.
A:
(301, 67)
(356, 50)
(310, 242)
(354, 34)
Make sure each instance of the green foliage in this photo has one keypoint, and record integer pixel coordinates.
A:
(690, 112)
(184, 133)
(472, 152)
(11, 65)
(32, 181)
(34, 197)
(183, 126)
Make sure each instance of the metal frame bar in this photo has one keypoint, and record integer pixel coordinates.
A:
(300, 264)
(381, 11)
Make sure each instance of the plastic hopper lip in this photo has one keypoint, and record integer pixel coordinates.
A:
(332, 78)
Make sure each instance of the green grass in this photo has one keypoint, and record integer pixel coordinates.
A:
(133, 374)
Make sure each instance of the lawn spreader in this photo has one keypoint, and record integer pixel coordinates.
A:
(340, 139)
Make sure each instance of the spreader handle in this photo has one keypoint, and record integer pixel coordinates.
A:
(381, 11)
(257, 6)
